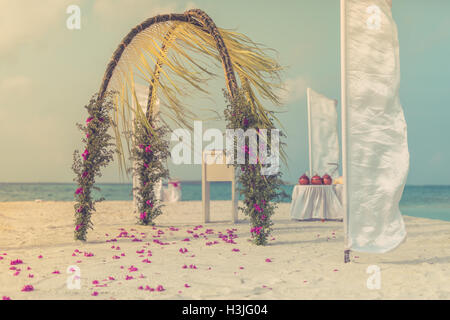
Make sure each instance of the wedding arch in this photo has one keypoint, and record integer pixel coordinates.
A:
(173, 53)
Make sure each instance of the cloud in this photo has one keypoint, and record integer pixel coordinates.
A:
(294, 89)
(25, 22)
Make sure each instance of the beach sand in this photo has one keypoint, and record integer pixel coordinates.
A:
(304, 260)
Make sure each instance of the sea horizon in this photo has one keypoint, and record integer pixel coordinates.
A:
(424, 201)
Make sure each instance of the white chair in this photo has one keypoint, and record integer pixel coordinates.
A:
(214, 168)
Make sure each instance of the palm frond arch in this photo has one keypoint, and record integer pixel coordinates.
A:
(195, 17)
(191, 31)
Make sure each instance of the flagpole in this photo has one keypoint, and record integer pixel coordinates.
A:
(308, 98)
(344, 132)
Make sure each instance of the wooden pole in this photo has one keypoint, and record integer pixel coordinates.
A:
(344, 130)
(308, 100)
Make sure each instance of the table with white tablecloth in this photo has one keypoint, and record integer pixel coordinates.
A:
(310, 202)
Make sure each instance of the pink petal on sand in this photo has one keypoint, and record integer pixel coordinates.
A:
(95, 282)
(94, 294)
(40, 257)
(132, 269)
(15, 262)
(56, 272)
(235, 250)
(129, 278)
(186, 285)
(268, 260)
(31, 276)
(5, 297)
(27, 288)
(160, 288)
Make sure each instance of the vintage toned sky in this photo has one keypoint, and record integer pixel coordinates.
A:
(48, 73)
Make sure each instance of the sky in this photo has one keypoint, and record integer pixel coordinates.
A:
(48, 73)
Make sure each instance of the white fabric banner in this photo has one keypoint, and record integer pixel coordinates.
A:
(377, 149)
(324, 143)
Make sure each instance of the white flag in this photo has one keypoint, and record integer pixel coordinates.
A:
(377, 150)
(323, 130)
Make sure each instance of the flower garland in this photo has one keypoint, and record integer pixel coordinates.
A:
(260, 191)
(97, 154)
(150, 151)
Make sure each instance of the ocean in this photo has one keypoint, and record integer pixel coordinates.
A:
(431, 202)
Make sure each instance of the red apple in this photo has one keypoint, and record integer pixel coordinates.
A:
(327, 179)
(304, 180)
(316, 180)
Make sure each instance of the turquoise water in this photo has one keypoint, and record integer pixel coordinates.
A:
(419, 201)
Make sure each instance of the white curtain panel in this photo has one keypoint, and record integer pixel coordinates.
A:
(324, 143)
(377, 149)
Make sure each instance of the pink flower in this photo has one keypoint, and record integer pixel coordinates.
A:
(257, 207)
(94, 294)
(186, 285)
(145, 164)
(133, 269)
(268, 260)
(148, 148)
(141, 146)
(85, 174)
(235, 250)
(263, 217)
(183, 250)
(256, 230)
(16, 262)
(129, 278)
(85, 154)
(56, 272)
(149, 203)
(40, 257)
(95, 282)
(78, 227)
(79, 190)
(6, 298)
(27, 288)
(89, 119)
(160, 288)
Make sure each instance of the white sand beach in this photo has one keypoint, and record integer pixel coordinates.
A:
(304, 260)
